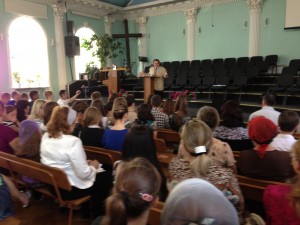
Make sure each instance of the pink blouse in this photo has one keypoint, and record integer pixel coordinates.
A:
(278, 207)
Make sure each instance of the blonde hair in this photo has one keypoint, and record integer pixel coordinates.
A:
(58, 122)
(196, 133)
(47, 94)
(295, 191)
(91, 116)
(36, 109)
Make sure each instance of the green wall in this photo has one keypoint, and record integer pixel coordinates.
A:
(273, 38)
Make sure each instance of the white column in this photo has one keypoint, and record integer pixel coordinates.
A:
(59, 13)
(255, 8)
(191, 15)
(107, 26)
(143, 40)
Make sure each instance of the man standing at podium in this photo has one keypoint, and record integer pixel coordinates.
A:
(159, 73)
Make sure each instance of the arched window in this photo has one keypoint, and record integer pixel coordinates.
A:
(29, 62)
(85, 56)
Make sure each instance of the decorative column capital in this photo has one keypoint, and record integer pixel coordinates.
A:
(142, 23)
(59, 11)
(254, 4)
(191, 14)
(109, 20)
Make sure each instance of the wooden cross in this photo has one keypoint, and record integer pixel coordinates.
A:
(127, 35)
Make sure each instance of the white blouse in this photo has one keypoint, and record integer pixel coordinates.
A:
(67, 153)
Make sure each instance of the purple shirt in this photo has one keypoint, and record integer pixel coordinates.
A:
(6, 136)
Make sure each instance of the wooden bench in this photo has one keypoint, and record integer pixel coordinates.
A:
(102, 157)
(155, 214)
(54, 177)
(253, 189)
(160, 145)
(168, 136)
(114, 154)
(10, 221)
(236, 155)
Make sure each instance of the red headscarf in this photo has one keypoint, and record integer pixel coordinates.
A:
(262, 130)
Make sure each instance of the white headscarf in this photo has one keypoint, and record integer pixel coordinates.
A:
(195, 201)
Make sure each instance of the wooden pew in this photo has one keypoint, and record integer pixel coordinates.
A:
(155, 214)
(114, 154)
(169, 135)
(102, 157)
(253, 189)
(236, 155)
(55, 177)
(160, 145)
(10, 221)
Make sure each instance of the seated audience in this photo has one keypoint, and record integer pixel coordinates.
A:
(92, 133)
(183, 205)
(282, 202)
(48, 108)
(37, 111)
(99, 105)
(22, 110)
(139, 142)
(62, 150)
(132, 115)
(231, 129)
(135, 191)
(10, 118)
(7, 191)
(144, 116)
(79, 107)
(193, 161)
(268, 111)
(180, 116)
(162, 119)
(8, 137)
(219, 152)
(15, 95)
(288, 122)
(96, 95)
(49, 97)
(264, 161)
(64, 100)
(149, 99)
(168, 107)
(113, 138)
(5, 97)
(111, 119)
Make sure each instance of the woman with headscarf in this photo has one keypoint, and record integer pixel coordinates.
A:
(195, 201)
(264, 162)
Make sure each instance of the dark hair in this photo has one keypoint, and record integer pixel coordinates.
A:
(48, 108)
(288, 120)
(136, 187)
(1, 108)
(5, 95)
(139, 142)
(231, 114)
(181, 107)
(156, 101)
(210, 116)
(269, 99)
(10, 108)
(21, 106)
(14, 93)
(110, 102)
(144, 112)
(96, 95)
(24, 95)
(168, 107)
(61, 92)
(149, 99)
(130, 100)
(99, 105)
(157, 60)
(80, 106)
(33, 93)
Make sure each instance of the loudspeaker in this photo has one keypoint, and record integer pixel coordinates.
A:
(70, 28)
(72, 45)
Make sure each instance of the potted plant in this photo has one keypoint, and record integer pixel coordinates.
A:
(17, 78)
(91, 69)
(105, 47)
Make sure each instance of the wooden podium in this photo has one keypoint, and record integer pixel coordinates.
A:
(148, 87)
(113, 81)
